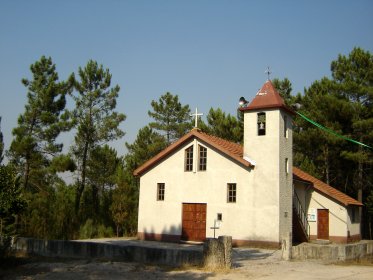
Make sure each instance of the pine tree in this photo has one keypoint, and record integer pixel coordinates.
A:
(284, 87)
(318, 148)
(1, 144)
(101, 178)
(96, 121)
(34, 142)
(353, 76)
(224, 126)
(171, 118)
(148, 143)
(11, 204)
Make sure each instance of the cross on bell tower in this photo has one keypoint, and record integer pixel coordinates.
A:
(268, 72)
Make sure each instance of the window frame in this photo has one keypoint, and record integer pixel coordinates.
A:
(161, 191)
(286, 166)
(231, 193)
(286, 130)
(202, 158)
(261, 118)
(188, 162)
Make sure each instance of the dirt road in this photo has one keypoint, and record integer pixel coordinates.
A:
(259, 264)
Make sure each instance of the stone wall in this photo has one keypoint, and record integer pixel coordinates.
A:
(91, 250)
(333, 252)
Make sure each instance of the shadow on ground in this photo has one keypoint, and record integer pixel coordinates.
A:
(43, 268)
(240, 255)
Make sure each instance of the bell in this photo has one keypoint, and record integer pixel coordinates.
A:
(261, 125)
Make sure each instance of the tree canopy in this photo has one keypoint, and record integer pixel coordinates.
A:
(102, 194)
(170, 117)
(34, 142)
(223, 125)
(94, 117)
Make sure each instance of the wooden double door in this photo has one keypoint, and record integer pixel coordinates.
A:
(194, 222)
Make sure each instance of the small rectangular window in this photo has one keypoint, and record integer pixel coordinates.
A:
(286, 166)
(160, 191)
(202, 158)
(231, 193)
(189, 159)
(286, 133)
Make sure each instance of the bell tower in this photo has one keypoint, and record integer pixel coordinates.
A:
(268, 142)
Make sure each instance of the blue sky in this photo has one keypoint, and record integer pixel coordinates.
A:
(209, 53)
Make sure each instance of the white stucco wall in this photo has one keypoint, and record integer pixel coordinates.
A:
(353, 227)
(339, 219)
(254, 216)
(263, 210)
(270, 151)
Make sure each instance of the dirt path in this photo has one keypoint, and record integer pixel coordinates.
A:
(258, 265)
(115, 270)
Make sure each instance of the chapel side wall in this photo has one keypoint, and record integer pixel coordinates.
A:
(354, 228)
(337, 215)
(247, 219)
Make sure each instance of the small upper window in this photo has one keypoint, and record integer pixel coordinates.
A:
(286, 133)
(202, 158)
(286, 166)
(189, 159)
(160, 191)
(262, 123)
(231, 193)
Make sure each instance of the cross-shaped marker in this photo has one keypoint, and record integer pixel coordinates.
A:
(196, 115)
(268, 72)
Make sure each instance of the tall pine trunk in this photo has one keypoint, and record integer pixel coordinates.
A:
(326, 163)
(81, 186)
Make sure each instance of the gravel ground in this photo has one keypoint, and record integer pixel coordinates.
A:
(248, 264)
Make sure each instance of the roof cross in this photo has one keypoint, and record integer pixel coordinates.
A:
(196, 115)
(268, 72)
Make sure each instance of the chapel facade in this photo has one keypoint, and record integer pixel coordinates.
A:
(203, 186)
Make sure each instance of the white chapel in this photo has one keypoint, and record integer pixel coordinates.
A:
(201, 186)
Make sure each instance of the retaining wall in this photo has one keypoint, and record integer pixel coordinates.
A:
(130, 252)
(333, 252)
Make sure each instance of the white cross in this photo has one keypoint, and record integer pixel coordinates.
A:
(196, 115)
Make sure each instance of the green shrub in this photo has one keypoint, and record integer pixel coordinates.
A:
(5, 242)
(104, 231)
(88, 230)
(91, 230)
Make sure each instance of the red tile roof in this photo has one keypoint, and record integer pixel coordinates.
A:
(325, 188)
(228, 148)
(235, 152)
(267, 98)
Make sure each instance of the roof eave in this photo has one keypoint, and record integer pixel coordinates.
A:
(193, 134)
